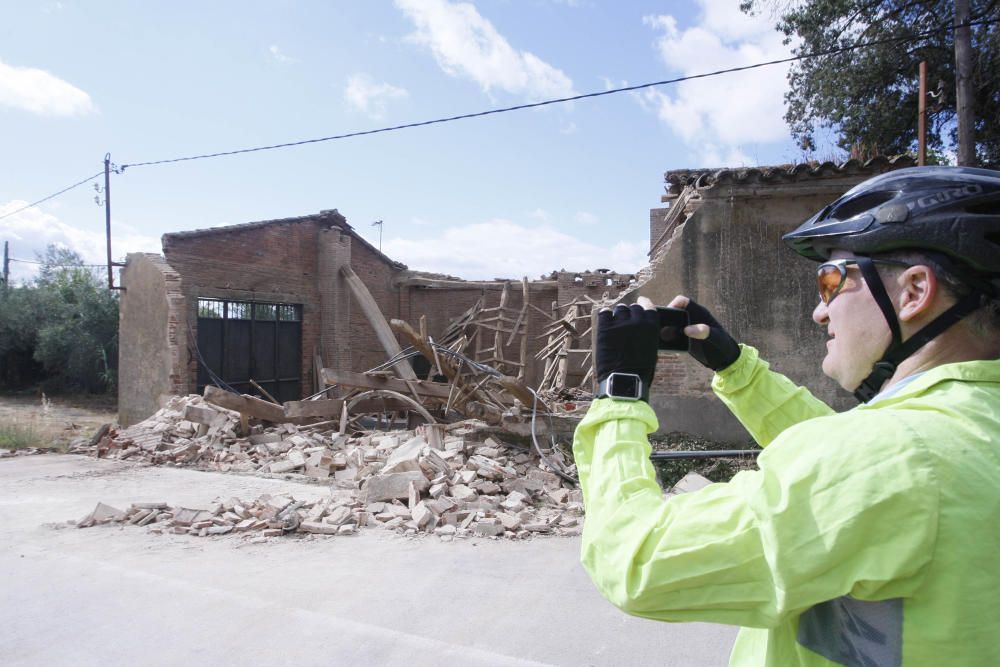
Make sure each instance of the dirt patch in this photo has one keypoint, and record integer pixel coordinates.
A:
(52, 423)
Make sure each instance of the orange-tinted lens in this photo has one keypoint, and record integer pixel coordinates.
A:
(829, 280)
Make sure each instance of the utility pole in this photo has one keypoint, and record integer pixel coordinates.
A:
(922, 117)
(963, 86)
(6, 266)
(107, 215)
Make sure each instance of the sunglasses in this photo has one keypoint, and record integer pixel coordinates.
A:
(831, 276)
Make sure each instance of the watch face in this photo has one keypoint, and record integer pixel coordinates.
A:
(624, 385)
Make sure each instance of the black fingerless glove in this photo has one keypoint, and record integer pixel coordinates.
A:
(719, 350)
(627, 340)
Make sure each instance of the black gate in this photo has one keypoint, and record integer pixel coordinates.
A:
(241, 341)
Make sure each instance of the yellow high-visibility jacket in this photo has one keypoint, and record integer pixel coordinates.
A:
(869, 537)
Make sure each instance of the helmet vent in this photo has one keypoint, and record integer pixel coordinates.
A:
(861, 204)
(985, 208)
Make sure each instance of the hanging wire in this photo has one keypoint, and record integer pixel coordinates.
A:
(54, 194)
(571, 98)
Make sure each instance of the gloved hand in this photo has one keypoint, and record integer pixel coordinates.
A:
(627, 340)
(711, 345)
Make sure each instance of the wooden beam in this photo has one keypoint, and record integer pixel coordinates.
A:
(441, 283)
(328, 407)
(382, 331)
(245, 404)
(362, 381)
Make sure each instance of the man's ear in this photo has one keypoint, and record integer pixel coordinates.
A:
(918, 290)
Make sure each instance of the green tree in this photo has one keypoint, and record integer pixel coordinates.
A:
(66, 323)
(868, 97)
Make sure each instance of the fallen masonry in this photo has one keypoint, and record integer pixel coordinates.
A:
(454, 480)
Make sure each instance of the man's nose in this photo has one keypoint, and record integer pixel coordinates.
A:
(820, 314)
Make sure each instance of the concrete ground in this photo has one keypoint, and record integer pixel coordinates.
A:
(113, 595)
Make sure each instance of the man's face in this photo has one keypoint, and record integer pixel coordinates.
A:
(858, 332)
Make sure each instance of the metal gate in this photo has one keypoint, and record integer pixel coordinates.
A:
(240, 341)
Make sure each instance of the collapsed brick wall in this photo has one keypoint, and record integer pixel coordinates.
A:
(299, 261)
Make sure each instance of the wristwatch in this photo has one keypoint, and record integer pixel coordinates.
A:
(622, 387)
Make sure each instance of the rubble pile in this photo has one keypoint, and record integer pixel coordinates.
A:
(450, 480)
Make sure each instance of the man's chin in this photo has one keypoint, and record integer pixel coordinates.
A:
(830, 370)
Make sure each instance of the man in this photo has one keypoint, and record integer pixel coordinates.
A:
(867, 537)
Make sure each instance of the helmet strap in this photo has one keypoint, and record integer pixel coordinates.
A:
(898, 350)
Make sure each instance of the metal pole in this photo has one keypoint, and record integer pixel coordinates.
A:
(6, 266)
(922, 117)
(107, 215)
(710, 454)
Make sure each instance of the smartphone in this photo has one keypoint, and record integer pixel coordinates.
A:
(672, 323)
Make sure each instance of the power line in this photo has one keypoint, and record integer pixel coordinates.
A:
(54, 194)
(519, 107)
(560, 100)
(60, 266)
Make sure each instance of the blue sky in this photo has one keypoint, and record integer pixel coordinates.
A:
(568, 186)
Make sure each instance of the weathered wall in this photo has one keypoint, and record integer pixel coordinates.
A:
(273, 262)
(300, 261)
(152, 333)
(729, 257)
(377, 275)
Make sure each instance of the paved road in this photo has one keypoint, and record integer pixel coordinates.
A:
(119, 596)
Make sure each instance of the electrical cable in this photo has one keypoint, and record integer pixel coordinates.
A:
(538, 450)
(519, 107)
(572, 98)
(216, 380)
(54, 194)
(59, 266)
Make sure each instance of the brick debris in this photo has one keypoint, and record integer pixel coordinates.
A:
(454, 480)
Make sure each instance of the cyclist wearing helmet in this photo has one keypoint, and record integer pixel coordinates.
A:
(866, 537)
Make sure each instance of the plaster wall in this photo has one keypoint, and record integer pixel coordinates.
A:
(729, 257)
(152, 333)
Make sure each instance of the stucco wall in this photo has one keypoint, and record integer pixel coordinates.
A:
(729, 257)
(152, 331)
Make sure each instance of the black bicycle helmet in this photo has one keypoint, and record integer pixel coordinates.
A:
(946, 211)
(951, 210)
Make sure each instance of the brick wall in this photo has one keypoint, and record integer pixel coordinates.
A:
(299, 260)
(377, 275)
(272, 262)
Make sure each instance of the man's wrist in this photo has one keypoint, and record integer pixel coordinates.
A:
(622, 386)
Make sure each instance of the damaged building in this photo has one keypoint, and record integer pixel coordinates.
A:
(718, 241)
(263, 307)
(283, 308)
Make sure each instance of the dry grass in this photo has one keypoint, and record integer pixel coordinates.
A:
(41, 423)
(20, 436)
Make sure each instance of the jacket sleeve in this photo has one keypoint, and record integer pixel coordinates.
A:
(765, 402)
(767, 544)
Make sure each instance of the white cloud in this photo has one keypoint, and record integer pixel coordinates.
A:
(39, 92)
(585, 218)
(369, 97)
(568, 128)
(501, 248)
(539, 214)
(718, 116)
(467, 45)
(279, 55)
(31, 230)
